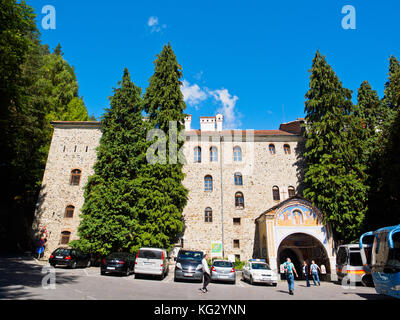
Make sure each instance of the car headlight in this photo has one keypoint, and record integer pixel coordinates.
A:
(396, 287)
(178, 265)
(199, 267)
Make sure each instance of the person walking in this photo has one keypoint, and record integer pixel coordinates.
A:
(206, 274)
(314, 272)
(306, 272)
(289, 269)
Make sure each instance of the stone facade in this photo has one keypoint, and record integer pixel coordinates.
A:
(74, 146)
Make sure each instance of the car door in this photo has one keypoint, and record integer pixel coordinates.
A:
(246, 271)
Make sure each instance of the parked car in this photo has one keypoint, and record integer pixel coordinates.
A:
(71, 258)
(118, 262)
(189, 266)
(223, 270)
(152, 261)
(257, 270)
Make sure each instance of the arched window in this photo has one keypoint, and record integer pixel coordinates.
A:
(275, 193)
(291, 192)
(197, 154)
(75, 177)
(286, 149)
(69, 212)
(65, 235)
(208, 183)
(237, 154)
(208, 215)
(239, 200)
(271, 148)
(213, 154)
(238, 179)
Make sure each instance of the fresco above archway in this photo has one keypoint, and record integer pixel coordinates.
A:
(296, 215)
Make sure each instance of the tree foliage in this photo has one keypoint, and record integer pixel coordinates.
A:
(334, 176)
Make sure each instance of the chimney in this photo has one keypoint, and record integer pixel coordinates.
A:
(220, 119)
(188, 121)
(207, 123)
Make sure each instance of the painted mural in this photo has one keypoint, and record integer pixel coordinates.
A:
(296, 215)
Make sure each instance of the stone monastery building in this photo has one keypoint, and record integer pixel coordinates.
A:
(243, 185)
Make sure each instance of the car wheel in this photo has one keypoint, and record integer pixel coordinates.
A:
(53, 264)
(128, 272)
(73, 265)
(88, 264)
(251, 280)
(274, 284)
(102, 272)
(234, 282)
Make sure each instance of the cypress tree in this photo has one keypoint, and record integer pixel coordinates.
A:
(110, 217)
(334, 176)
(162, 194)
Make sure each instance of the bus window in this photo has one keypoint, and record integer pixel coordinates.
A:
(355, 259)
(394, 253)
(341, 256)
(381, 250)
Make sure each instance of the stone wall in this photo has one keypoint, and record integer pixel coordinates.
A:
(74, 146)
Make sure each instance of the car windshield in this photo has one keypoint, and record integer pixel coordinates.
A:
(224, 264)
(190, 255)
(260, 266)
(62, 252)
(149, 254)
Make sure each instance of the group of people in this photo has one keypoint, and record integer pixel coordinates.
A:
(308, 272)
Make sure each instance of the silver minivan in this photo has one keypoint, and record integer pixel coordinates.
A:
(151, 261)
(349, 264)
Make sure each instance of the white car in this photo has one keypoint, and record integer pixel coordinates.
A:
(257, 270)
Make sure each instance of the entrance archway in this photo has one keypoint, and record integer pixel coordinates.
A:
(301, 247)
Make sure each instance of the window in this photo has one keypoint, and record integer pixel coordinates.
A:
(197, 154)
(208, 215)
(286, 149)
(291, 191)
(237, 257)
(86, 149)
(236, 221)
(64, 149)
(208, 183)
(275, 193)
(237, 154)
(75, 177)
(75, 149)
(271, 148)
(238, 179)
(236, 243)
(213, 154)
(239, 200)
(65, 235)
(69, 212)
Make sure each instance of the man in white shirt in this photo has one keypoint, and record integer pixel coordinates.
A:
(206, 274)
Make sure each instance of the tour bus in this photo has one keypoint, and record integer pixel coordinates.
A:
(366, 241)
(386, 261)
(349, 263)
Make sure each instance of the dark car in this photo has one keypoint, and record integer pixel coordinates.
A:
(188, 265)
(118, 262)
(71, 258)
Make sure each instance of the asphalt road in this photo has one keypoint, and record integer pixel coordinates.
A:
(21, 277)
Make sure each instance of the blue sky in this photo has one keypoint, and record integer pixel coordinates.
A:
(246, 59)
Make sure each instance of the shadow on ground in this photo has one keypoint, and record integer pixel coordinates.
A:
(19, 274)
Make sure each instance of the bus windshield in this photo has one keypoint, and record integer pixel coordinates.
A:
(355, 259)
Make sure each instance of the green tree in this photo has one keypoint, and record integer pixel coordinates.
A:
(384, 197)
(110, 216)
(21, 122)
(334, 175)
(162, 194)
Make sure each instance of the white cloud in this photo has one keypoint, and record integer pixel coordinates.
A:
(192, 94)
(154, 24)
(231, 117)
(153, 21)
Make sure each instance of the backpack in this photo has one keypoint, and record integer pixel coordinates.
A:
(289, 267)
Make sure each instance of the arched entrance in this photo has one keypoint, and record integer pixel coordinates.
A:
(301, 247)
